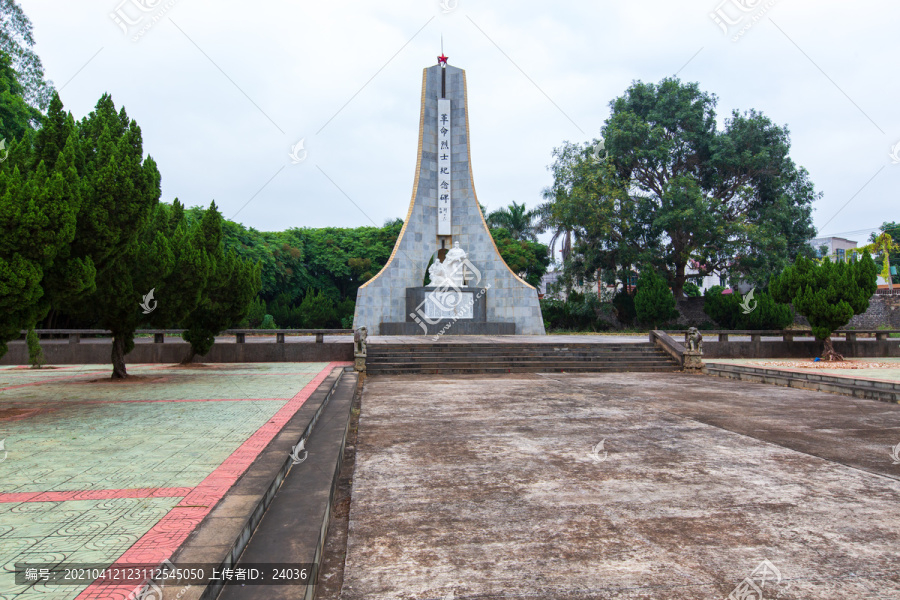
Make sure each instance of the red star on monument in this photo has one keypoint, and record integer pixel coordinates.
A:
(442, 59)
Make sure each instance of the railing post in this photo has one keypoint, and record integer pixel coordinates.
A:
(851, 337)
(319, 338)
(239, 338)
(74, 338)
(279, 338)
(159, 338)
(723, 337)
(788, 337)
(755, 338)
(879, 335)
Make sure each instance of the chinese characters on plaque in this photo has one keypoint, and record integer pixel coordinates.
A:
(443, 191)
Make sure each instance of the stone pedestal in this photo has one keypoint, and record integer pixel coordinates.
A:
(435, 311)
(692, 361)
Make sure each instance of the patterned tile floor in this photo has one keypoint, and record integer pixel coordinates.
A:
(96, 471)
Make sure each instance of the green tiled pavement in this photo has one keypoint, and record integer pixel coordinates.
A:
(78, 531)
(88, 433)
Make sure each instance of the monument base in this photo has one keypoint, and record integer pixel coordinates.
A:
(460, 327)
(458, 311)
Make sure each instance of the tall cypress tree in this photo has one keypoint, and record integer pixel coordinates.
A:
(233, 284)
(38, 205)
(121, 190)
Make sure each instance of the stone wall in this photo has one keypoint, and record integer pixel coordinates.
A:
(884, 311)
(98, 352)
(690, 311)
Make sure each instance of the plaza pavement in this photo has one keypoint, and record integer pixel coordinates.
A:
(475, 487)
(99, 471)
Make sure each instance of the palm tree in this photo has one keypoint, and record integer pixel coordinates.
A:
(561, 232)
(518, 220)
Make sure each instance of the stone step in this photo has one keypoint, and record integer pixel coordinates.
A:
(480, 351)
(436, 360)
(510, 347)
(544, 368)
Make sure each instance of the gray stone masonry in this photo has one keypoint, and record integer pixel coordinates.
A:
(383, 298)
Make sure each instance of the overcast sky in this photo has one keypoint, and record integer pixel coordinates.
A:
(224, 89)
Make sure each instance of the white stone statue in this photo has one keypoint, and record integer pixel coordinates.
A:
(449, 272)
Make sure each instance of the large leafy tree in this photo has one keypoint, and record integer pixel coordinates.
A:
(828, 294)
(729, 199)
(587, 204)
(528, 259)
(16, 116)
(886, 247)
(17, 41)
(230, 290)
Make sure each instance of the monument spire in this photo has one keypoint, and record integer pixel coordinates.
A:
(472, 290)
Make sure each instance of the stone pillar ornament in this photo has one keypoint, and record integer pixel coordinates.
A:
(360, 348)
(693, 343)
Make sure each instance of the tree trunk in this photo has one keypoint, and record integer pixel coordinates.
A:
(678, 282)
(118, 357)
(190, 357)
(829, 354)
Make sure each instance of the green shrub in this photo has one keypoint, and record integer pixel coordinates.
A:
(579, 312)
(654, 302)
(317, 311)
(256, 313)
(692, 290)
(721, 308)
(35, 352)
(727, 310)
(623, 302)
(268, 322)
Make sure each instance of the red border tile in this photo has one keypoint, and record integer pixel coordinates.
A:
(164, 538)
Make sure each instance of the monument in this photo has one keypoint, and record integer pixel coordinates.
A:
(470, 289)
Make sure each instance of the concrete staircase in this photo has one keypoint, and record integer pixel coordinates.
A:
(457, 357)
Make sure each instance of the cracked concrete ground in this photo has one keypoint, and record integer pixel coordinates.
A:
(475, 487)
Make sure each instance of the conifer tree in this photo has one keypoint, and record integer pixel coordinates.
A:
(121, 190)
(828, 294)
(232, 285)
(654, 302)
